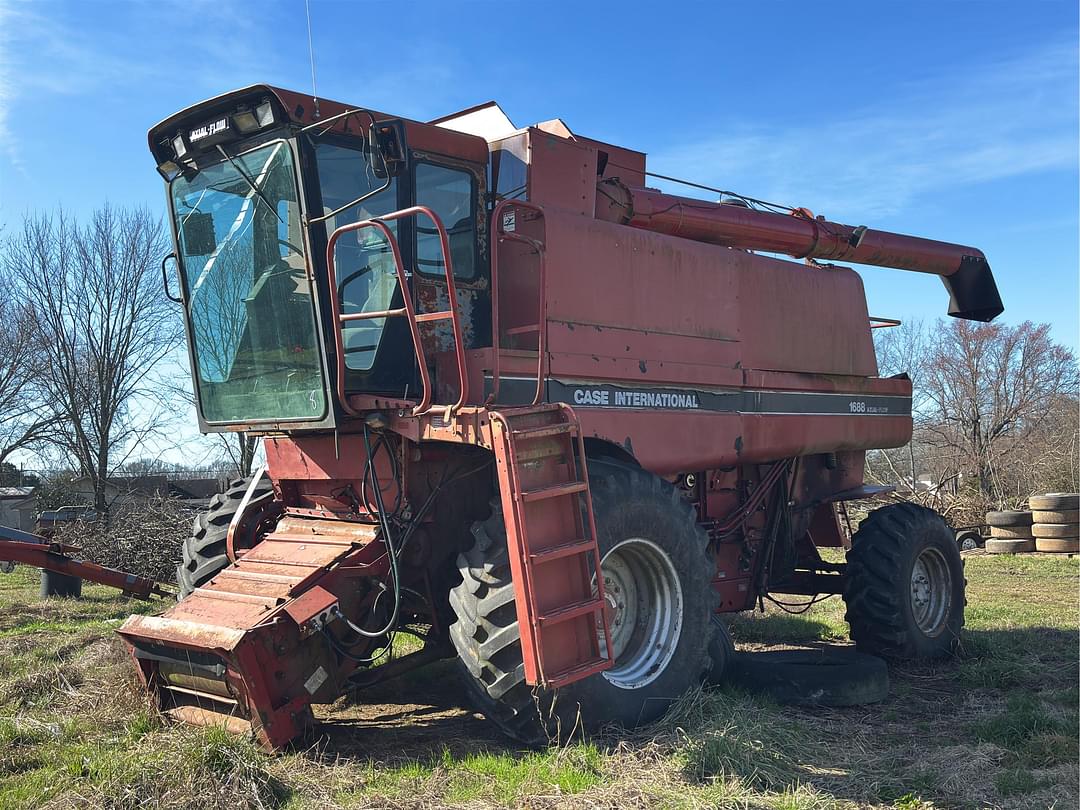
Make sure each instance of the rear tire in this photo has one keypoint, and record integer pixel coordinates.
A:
(203, 554)
(1054, 502)
(1009, 519)
(826, 676)
(1006, 545)
(722, 653)
(643, 524)
(904, 585)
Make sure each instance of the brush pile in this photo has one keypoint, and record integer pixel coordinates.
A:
(141, 537)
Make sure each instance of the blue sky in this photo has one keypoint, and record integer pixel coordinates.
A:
(955, 121)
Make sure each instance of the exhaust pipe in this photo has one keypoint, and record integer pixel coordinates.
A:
(973, 294)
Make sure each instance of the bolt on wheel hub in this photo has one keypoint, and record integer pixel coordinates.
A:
(931, 591)
(643, 604)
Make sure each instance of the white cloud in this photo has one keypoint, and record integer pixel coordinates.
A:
(7, 92)
(994, 121)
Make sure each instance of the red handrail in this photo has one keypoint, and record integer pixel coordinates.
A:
(541, 322)
(407, 310)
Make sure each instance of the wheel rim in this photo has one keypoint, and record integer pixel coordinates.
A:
(969, 543)
(644, 609)
(931, 591)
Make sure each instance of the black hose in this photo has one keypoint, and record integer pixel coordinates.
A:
(384, 522)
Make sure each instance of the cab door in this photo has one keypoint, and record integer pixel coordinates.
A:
(454, 190)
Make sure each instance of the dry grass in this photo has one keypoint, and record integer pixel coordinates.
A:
(996, 728)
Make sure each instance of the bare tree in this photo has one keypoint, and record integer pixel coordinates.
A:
(241, 450)
(235, 451)
(25, 415)
(219, 322)
(903, 350)
(1046, 459)
(97, 307)
(989, 388)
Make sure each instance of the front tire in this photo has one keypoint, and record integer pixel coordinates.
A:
(657, 576)
(204, 554)
(904, 585)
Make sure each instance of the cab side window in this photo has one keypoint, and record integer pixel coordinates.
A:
(363, 263)
(450, 194)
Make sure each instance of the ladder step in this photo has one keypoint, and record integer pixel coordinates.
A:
(434, 316)
(523, 330)
(578, 546)
(570, 488)
(571, 611)
(577, 672)
(546, 430)
(368, 316)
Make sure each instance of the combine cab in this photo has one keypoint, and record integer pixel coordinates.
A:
(521, 406)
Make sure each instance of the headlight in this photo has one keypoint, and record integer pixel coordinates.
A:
(168, 170)
(264, 113)
(178, 145)
(245, 121)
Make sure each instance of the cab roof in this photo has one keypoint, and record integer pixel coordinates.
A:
(302, 109)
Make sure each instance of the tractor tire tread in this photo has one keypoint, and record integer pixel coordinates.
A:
(875, 608)
(203, 554)
(1008, 518)
(486, 632)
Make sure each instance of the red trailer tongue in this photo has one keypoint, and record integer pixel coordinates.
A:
(963, 270)
(32, 549)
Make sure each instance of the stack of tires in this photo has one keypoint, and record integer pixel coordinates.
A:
(1056, 522)
(1010, 533)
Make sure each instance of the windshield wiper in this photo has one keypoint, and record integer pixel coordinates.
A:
(250, 182)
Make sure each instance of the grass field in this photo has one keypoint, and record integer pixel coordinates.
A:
(995, 728)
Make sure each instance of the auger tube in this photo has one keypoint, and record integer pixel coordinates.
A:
(963, 270)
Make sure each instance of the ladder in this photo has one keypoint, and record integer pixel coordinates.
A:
(539, 327)
(551, 538)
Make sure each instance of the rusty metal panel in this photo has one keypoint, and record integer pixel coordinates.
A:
(312, 608)
(625, 164)
(187, 634)
(605, 274)
(562, 173)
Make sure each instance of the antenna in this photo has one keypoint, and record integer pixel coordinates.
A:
(311, 55)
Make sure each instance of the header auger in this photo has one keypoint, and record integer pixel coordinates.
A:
(521, 406)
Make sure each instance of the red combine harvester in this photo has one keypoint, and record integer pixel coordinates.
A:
(516, 403)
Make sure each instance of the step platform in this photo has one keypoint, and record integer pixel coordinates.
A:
(245, 651)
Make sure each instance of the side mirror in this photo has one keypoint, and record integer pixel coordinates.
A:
(197, 234)
(387, 143)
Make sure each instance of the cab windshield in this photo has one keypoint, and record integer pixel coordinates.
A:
(249, 301)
